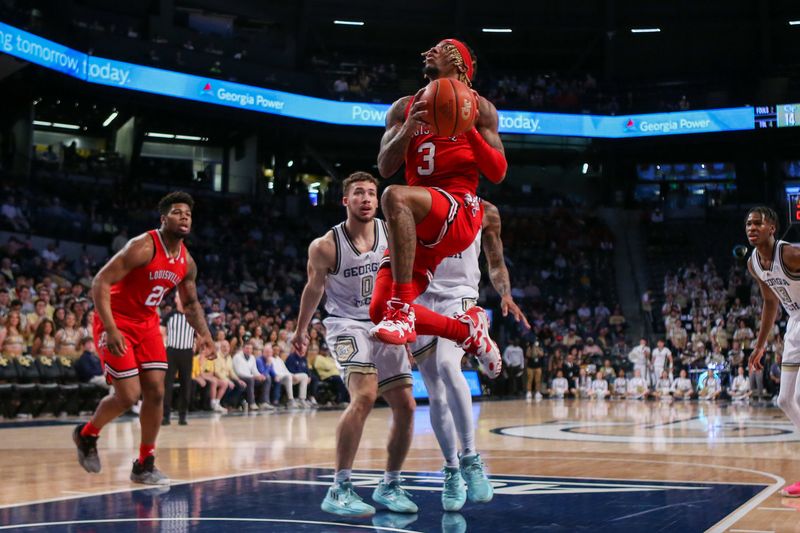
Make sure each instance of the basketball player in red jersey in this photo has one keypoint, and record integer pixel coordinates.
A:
(438, 213)
(126, 293)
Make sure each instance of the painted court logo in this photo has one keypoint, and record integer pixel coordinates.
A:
(728, 429)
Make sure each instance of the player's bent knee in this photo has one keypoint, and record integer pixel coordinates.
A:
(393, 197)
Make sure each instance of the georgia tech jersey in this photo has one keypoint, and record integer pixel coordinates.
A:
(458, 276)
(785, 286)
(349, 285)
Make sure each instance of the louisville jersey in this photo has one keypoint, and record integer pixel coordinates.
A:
(778, 278)
(458, 276)
(137, 296)
(444, 162)
(348, 287)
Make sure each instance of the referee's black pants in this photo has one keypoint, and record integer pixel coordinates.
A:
(179, 361)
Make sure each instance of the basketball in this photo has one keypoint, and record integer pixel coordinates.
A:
(452, 107)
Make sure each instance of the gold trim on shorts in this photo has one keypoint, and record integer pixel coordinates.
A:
(400, 380)
(426, 351)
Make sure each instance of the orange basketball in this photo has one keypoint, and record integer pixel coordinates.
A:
(451, 105)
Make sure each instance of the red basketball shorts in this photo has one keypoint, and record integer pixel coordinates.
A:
(450, 228)
(144, 348)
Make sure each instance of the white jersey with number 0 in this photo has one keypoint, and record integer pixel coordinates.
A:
(348, 287)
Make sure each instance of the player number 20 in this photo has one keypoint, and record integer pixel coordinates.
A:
(156, 296)
(428, 151)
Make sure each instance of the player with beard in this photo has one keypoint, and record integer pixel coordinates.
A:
(127, 292)
(342, 265)
(438, 213)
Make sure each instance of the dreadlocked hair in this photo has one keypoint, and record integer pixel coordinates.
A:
(454, 56)
(767, 213)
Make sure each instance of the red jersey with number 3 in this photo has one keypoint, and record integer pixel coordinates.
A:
(137, 296)
(445, 162)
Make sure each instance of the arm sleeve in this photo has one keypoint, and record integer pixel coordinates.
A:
(491, 162)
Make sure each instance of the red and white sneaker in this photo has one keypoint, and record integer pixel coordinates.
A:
(479, 343)
(397, 326)
(792, 491)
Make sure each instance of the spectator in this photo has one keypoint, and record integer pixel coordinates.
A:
(560, 386)
(637, 388)
(682, 387)
(534, 366)
(328, 373)
(266, 368)
(740, 388)
(120, 240)
(663, 387)
(297, 364)
(11, 338)
(244, 364)
(513, 364)
(88, 368)
(640, 356)
(599, 387)
(620, 385)
(13, 216)
(67, 337)
(711, 388)
(44, 343)
(288, 380)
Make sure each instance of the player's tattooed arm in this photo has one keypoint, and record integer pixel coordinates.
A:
(321, 260)
(399, 131)
(193, 310)
(498, 272)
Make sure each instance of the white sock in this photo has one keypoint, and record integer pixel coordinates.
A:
(441, 419)
(342, 476)
(390, 476)
(459, 397)
(789, 397)
(214, 403)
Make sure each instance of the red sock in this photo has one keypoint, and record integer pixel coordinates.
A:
(145, 451)
(90, 431)
(405, 292)
(430, 323)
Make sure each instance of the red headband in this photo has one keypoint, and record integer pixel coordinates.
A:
(465, 55)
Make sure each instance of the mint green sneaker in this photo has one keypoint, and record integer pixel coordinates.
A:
(479, 488)
(454, 494)
(342, 500)
(394, 497)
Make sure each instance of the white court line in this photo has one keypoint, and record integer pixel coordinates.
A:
(133, 489)
(208, 519)
(720, 526)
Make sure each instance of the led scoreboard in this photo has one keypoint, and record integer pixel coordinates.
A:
(777, 116)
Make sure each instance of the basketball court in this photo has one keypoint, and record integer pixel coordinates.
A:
(567, 466)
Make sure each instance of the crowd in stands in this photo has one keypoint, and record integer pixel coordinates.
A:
(252, 273)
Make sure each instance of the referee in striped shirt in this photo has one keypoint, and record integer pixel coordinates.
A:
(180, 352)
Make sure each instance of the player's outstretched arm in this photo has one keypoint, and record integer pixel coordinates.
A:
(321, 260)
(486, 143)
(769, 312)
(498, 272)
(136, 253)
(399, 131)
(194, 311)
